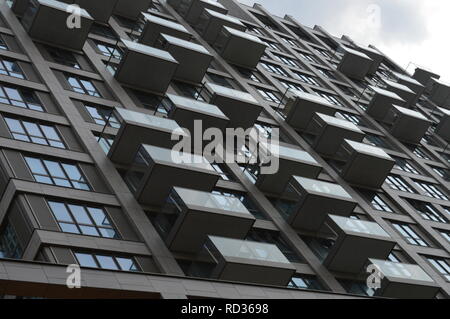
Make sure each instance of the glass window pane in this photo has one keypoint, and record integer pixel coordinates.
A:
(107, 262)
(80, 214)
(60, 211)
(86, 260)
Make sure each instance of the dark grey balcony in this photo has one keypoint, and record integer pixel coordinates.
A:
(440, 93)
(140, 128)
(291, 162)
(408, 125)
(210, 24)
(240, 107)
(196, 215)
(330, 133)
(413, 84)
(239, 260)
(366, 165)
(312, 201)
(194, 59)
(36, 22)
(408, 95)
(20, 6)
(443, 128)
(240, 48)
(355, 64)
(185, 111)
(101, 11)
(301, 108)
(131, 9)
(376, 57)
(382, 102)
(156, 170)
(146, 68)
(404, 281)
(424, 76)
(192, 9)
(356, 242)
(155, 26)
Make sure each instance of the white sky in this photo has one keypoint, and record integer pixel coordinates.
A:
(416, 31)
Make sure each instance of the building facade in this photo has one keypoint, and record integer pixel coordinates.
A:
(89, 98)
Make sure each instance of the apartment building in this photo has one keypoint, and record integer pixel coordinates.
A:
(88, 102)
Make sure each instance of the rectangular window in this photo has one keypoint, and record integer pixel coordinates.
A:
(82, 86)
(446, 235)
(248, 203)
(101, 116)
(404, 165)
(286, 60)
(11, 68)
(305, 282)
(378, 203)
(307, 57)
(397, 183)
(77, 219)
(442, 266)
(106, 262)
(442, 172)
(410, 235)
(109, 50)
(56, 173)
(355, 119)
(9, 243)
(431, 190)
(293, 86)
(23, 98)
(333, 99)
(427, 211)
(308, 79)
(3, 45)
(34, 133)
(103, 31)
(268, 95)
(274, 69)
(63, 57)
(327, 73)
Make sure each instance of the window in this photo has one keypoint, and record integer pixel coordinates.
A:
(3, 45)
(106, 262)
(222, 172)
(442, 172)
(355, 119)
(11, 68)
(34, 133)
(379, 203)
(105, 141)
(20, 97)
(274, 238)
(101, 116)
(9, 243)
(442, 266)
(327, 73)
(221, 80)
(268, 95)
(293, 86)
(249, 74)
(420, 153)
(56, 173)
(427, 211)
(274, 69)
(404, 165)
(248, 203)
(290, 41)
(103, 30)
(77, 219)
(446, 235)
(410, 235)
(431, 190)
(154, 102)
(285, 60)
(190, 91)
(305, 282)
(329, 97)
(308, 79)
(307, 57)
(397, 183)
(63, 57)
(272, 45)
(82, 86)
(109, 51)
(357, 288)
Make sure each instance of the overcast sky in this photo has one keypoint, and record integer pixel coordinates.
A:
(414, 31)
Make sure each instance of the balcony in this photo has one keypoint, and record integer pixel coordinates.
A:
(408, 95)
(301, 108)
(131, 10)
(413, 84)
(240, 48)
(291, 162)
(405, 119)
(440, 93)
(366, 165)
(330, 133)
(185, 111)
(192, 9)
(404, 281)
(355, 64)
(240, 107)
(36, 22)
(155, 26)
(194, 59)
(443, 128)
(424, 76)
(376, 57)
(246, 261)
(195, 215)
(101, 11)
(210, 24)
(382, 102)
(140, 128)
(146, 68)
(356, 242)
(156, 170)
(312, 201)
(20, 6)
